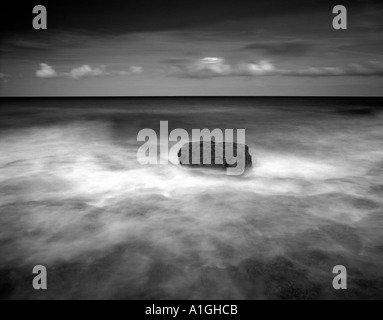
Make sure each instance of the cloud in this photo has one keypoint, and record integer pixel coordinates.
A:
(282, 48)
(132, 70)
(87, 71)
(371, 68)
(46, 71)
(211, 67)
(137, 69)
(84, 71)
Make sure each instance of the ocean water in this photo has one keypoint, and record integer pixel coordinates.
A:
(74, 198)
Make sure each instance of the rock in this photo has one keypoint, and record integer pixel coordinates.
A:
(221, 160)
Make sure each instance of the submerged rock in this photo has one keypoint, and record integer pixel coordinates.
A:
(219, 157)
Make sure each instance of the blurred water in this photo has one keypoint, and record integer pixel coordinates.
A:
(74, 198)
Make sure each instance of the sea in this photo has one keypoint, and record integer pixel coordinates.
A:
(75, 199)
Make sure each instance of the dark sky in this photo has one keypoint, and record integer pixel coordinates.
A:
(159, 47)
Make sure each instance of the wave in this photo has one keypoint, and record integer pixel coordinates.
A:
(73, 198)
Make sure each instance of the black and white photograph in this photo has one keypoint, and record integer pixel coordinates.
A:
(162, 150)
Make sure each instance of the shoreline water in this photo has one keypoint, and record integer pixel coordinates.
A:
(74, 198)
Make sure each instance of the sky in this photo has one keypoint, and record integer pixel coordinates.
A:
(192, 48)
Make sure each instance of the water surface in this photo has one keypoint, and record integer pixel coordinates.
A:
(74, 198)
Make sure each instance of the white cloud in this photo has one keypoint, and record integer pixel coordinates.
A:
(371, 68)
(136, 69)
(215, 67)
(46, 71)
(132, 70)
(211, 67)
(262, 68)
(85, 71)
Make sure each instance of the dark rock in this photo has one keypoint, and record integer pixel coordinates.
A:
(219, 158)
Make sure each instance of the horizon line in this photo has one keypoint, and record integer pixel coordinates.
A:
(192, 96)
